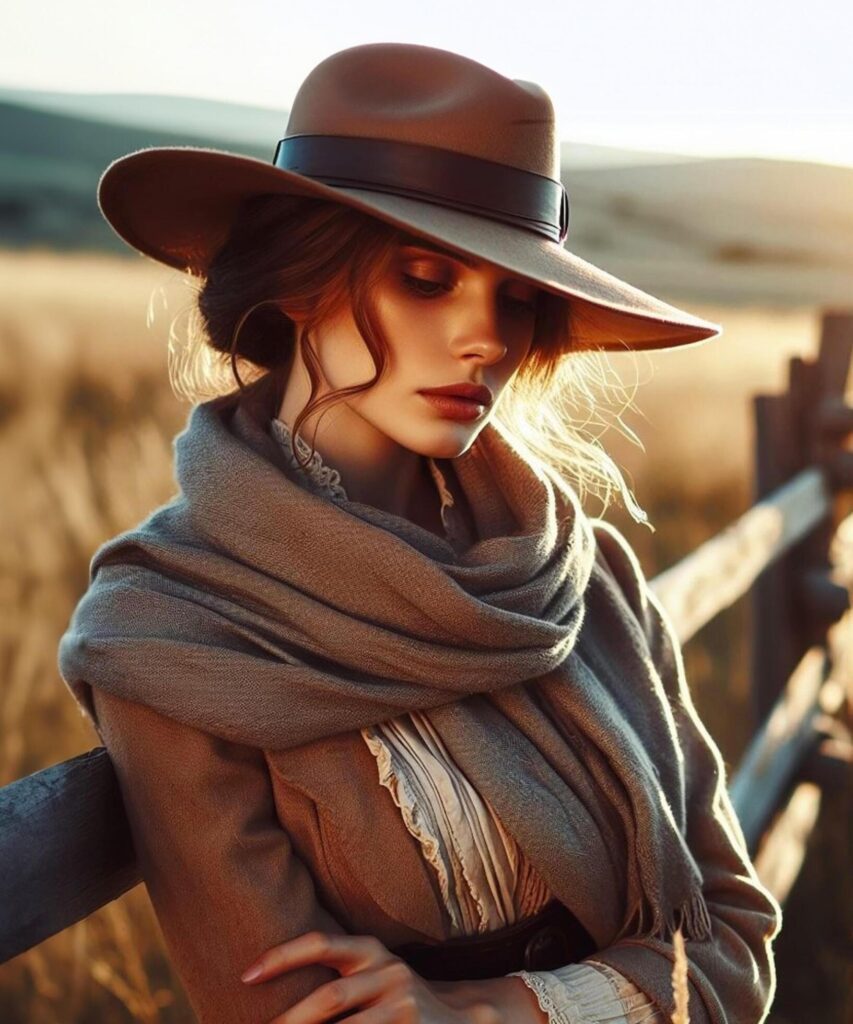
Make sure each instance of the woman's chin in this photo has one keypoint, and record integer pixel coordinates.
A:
(456, 440)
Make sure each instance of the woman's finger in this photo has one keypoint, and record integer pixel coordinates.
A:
(347, 953)
(348, 993)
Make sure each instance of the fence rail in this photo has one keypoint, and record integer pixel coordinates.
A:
(65, 844)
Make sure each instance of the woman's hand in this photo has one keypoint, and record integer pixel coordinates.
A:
(375, 987)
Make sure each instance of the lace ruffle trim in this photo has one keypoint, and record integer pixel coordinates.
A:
(589, 992)
(325, 477)
(407, 802)
(328, 479)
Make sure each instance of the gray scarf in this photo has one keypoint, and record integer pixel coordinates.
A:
(251, 608)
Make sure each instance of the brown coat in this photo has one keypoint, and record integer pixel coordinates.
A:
(227, 880)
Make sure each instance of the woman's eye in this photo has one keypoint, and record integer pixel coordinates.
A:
(424, 286)
(428, 288)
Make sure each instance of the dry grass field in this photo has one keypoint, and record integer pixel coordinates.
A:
(86, 423)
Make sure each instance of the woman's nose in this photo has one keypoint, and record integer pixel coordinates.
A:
(479, 329)
(486, 348)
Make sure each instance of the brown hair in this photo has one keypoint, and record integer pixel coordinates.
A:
(310, 256)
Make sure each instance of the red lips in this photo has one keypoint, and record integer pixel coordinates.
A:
(478, 393)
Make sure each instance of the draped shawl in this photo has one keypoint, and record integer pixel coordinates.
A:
(254, 609)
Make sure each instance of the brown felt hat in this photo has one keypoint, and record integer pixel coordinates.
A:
(424, 139)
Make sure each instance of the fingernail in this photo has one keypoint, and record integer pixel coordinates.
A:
(252, 973)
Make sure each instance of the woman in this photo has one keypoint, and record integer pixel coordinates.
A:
(390, 715)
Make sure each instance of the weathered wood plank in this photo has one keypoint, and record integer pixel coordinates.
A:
(65, 849)
(835, 351)
(783, 848)
(778, 458)
(725, 567)
(784, 744)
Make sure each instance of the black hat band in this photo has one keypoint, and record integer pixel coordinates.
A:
(429, 173)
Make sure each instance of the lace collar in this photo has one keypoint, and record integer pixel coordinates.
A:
(325, 480)
(320, 477)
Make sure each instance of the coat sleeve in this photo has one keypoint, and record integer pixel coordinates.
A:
(220, 870)
(731, 975)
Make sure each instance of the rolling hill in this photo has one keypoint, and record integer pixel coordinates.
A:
(732, 230)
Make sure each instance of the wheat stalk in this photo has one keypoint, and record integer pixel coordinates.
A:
(679, 980)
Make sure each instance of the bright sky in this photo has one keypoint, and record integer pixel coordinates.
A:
(727, 77)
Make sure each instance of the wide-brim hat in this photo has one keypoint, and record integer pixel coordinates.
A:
(424, 139)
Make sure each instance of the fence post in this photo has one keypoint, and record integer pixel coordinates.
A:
(793, 600)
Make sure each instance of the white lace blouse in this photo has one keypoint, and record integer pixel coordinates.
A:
(485, 880)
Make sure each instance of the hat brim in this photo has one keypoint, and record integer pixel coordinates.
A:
(177, 204)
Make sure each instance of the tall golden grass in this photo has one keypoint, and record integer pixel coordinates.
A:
(86, 423)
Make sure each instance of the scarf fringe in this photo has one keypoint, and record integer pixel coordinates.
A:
(692, 917)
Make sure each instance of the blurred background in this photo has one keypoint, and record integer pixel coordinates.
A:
(708, 155)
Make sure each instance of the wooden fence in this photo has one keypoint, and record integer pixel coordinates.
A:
(65, 845)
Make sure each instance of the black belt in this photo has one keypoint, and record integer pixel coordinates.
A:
(550, 938)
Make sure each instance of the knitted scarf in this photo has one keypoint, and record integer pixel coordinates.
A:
(267, 615)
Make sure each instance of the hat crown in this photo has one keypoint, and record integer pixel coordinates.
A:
(420, 94)
(423, 139)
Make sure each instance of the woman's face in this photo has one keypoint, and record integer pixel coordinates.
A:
(447, 319)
